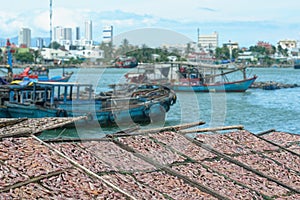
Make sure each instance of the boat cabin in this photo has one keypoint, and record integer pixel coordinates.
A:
(50, 92)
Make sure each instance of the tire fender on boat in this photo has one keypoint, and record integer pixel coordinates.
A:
(61, 113)
(173, 101)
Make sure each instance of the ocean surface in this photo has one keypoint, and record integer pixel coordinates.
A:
(258, 110)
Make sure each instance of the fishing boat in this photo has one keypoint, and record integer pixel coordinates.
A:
(132, 104)
(297, 64)
(29, 73)
(41, 74)
(125, 62)
(4, 96)
(195, 77)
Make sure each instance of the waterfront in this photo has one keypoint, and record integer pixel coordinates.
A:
(258, 110)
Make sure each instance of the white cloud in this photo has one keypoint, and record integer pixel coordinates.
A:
(241, 19)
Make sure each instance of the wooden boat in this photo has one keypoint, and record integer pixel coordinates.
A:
(195, 77)
(297, 64)
(132, 104)
(29, 74)
(4, 96)
(41, 74)
(125, 62)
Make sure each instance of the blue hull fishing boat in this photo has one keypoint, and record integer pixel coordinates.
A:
(29, 74)
(191, 85)
(40, 74)
(196, 77)
(53, 99)
(297, 64)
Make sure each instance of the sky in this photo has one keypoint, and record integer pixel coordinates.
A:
(242, 21)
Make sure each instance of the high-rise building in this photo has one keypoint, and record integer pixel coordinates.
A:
(208, 41)
(88, 30)
(40, 42)
(24, 37)
(68, 34)
(58, 33)
(61, 35)
(77, 33)
(107, 35)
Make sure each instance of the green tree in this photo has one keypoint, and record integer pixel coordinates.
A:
(222, 53)
(188, 49)
(108, 50)
(54, 45)
(259, 49)
(26, 57)
(36, 54)
(281, 50)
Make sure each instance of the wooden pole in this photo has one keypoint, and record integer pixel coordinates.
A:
(239, 127)
(161, 129)
(87, 171)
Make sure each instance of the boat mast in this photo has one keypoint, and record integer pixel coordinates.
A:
(9, 55)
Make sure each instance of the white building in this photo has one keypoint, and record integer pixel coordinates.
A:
(56, 54)
(107, 35)
(209, 41)
(88, 30)
(287, 44)
(24, 37)
(58, 33)
(83, 43)
(88, 54)
(246, 56)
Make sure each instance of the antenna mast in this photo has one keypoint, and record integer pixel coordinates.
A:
(50, 22)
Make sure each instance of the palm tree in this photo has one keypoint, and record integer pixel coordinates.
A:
(125, 46)
(36, 54)
(108, 50)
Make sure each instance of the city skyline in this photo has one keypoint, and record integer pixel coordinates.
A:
(245, 22)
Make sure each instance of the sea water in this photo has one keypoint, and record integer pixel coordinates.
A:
(257, 110)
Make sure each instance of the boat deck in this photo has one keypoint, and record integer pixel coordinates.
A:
(150, 164)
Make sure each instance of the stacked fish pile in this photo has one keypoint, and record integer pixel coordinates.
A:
(30, 170)
(25, 126)
(158, 165)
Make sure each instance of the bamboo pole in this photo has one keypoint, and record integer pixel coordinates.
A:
(8, 122)
(19, 133)
(69, 120)
(266, 132)
(161, 129)
(32, 180)
(239, 127)
(170, 171)
(57, 140)
(87, 171)
(241, 164)
(26, 131)
(169, 128)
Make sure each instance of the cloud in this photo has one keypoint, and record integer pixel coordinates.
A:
(235, 22)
